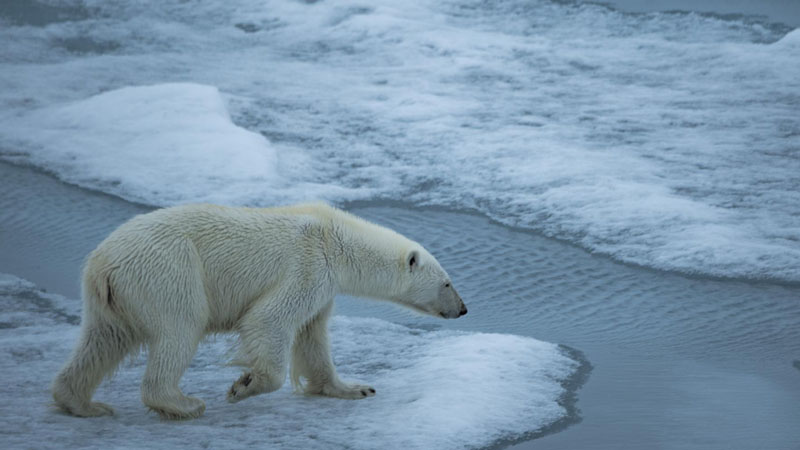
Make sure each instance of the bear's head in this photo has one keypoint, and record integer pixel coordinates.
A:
(427, 288)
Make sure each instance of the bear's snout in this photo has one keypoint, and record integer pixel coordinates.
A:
(455, 313)
(450, 297)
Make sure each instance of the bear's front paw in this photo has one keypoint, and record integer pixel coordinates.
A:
(242, 388)
(348, 391)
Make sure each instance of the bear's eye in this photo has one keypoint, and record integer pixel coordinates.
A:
(447, 285)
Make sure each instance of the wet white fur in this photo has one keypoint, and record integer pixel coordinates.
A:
(166, 279)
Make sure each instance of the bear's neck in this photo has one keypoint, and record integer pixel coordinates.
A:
(367, 260)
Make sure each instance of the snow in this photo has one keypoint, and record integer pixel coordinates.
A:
(435, 389)
(153, 140)
(663, 139)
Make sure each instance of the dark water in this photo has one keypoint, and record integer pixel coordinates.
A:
(677, 362)
(47, 227)
(783, 11)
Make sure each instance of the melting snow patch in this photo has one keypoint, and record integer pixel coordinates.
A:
(436, 389)
(149, 142)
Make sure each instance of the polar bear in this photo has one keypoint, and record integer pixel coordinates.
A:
(168, 278)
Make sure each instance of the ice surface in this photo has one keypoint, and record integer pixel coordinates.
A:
(436, 389)
(664, 139)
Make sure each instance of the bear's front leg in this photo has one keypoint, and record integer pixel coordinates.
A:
(311, 359)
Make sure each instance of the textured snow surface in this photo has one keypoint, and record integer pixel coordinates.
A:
(153, 140)
(664, 139)
(436, 389)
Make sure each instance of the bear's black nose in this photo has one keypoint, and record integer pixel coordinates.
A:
(463, 311)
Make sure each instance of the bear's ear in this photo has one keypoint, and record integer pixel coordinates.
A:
(412, 260)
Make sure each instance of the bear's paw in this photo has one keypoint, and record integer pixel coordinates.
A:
(348, 391)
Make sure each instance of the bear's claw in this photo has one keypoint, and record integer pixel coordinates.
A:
(242, 388)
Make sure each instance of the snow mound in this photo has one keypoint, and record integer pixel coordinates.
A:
(790, 41)
(149, 142)
(436, 389)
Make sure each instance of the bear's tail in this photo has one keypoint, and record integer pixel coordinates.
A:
(103, 343)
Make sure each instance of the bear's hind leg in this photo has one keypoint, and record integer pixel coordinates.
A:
(168, 358)
(311, 359)
(100, 349)
(175, 313)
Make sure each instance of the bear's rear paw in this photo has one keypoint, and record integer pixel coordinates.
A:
(180, 409)
(246, 386)
(253, 383)
(348, 391)
(95, 409)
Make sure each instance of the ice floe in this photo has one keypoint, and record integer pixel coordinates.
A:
(436, 389)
